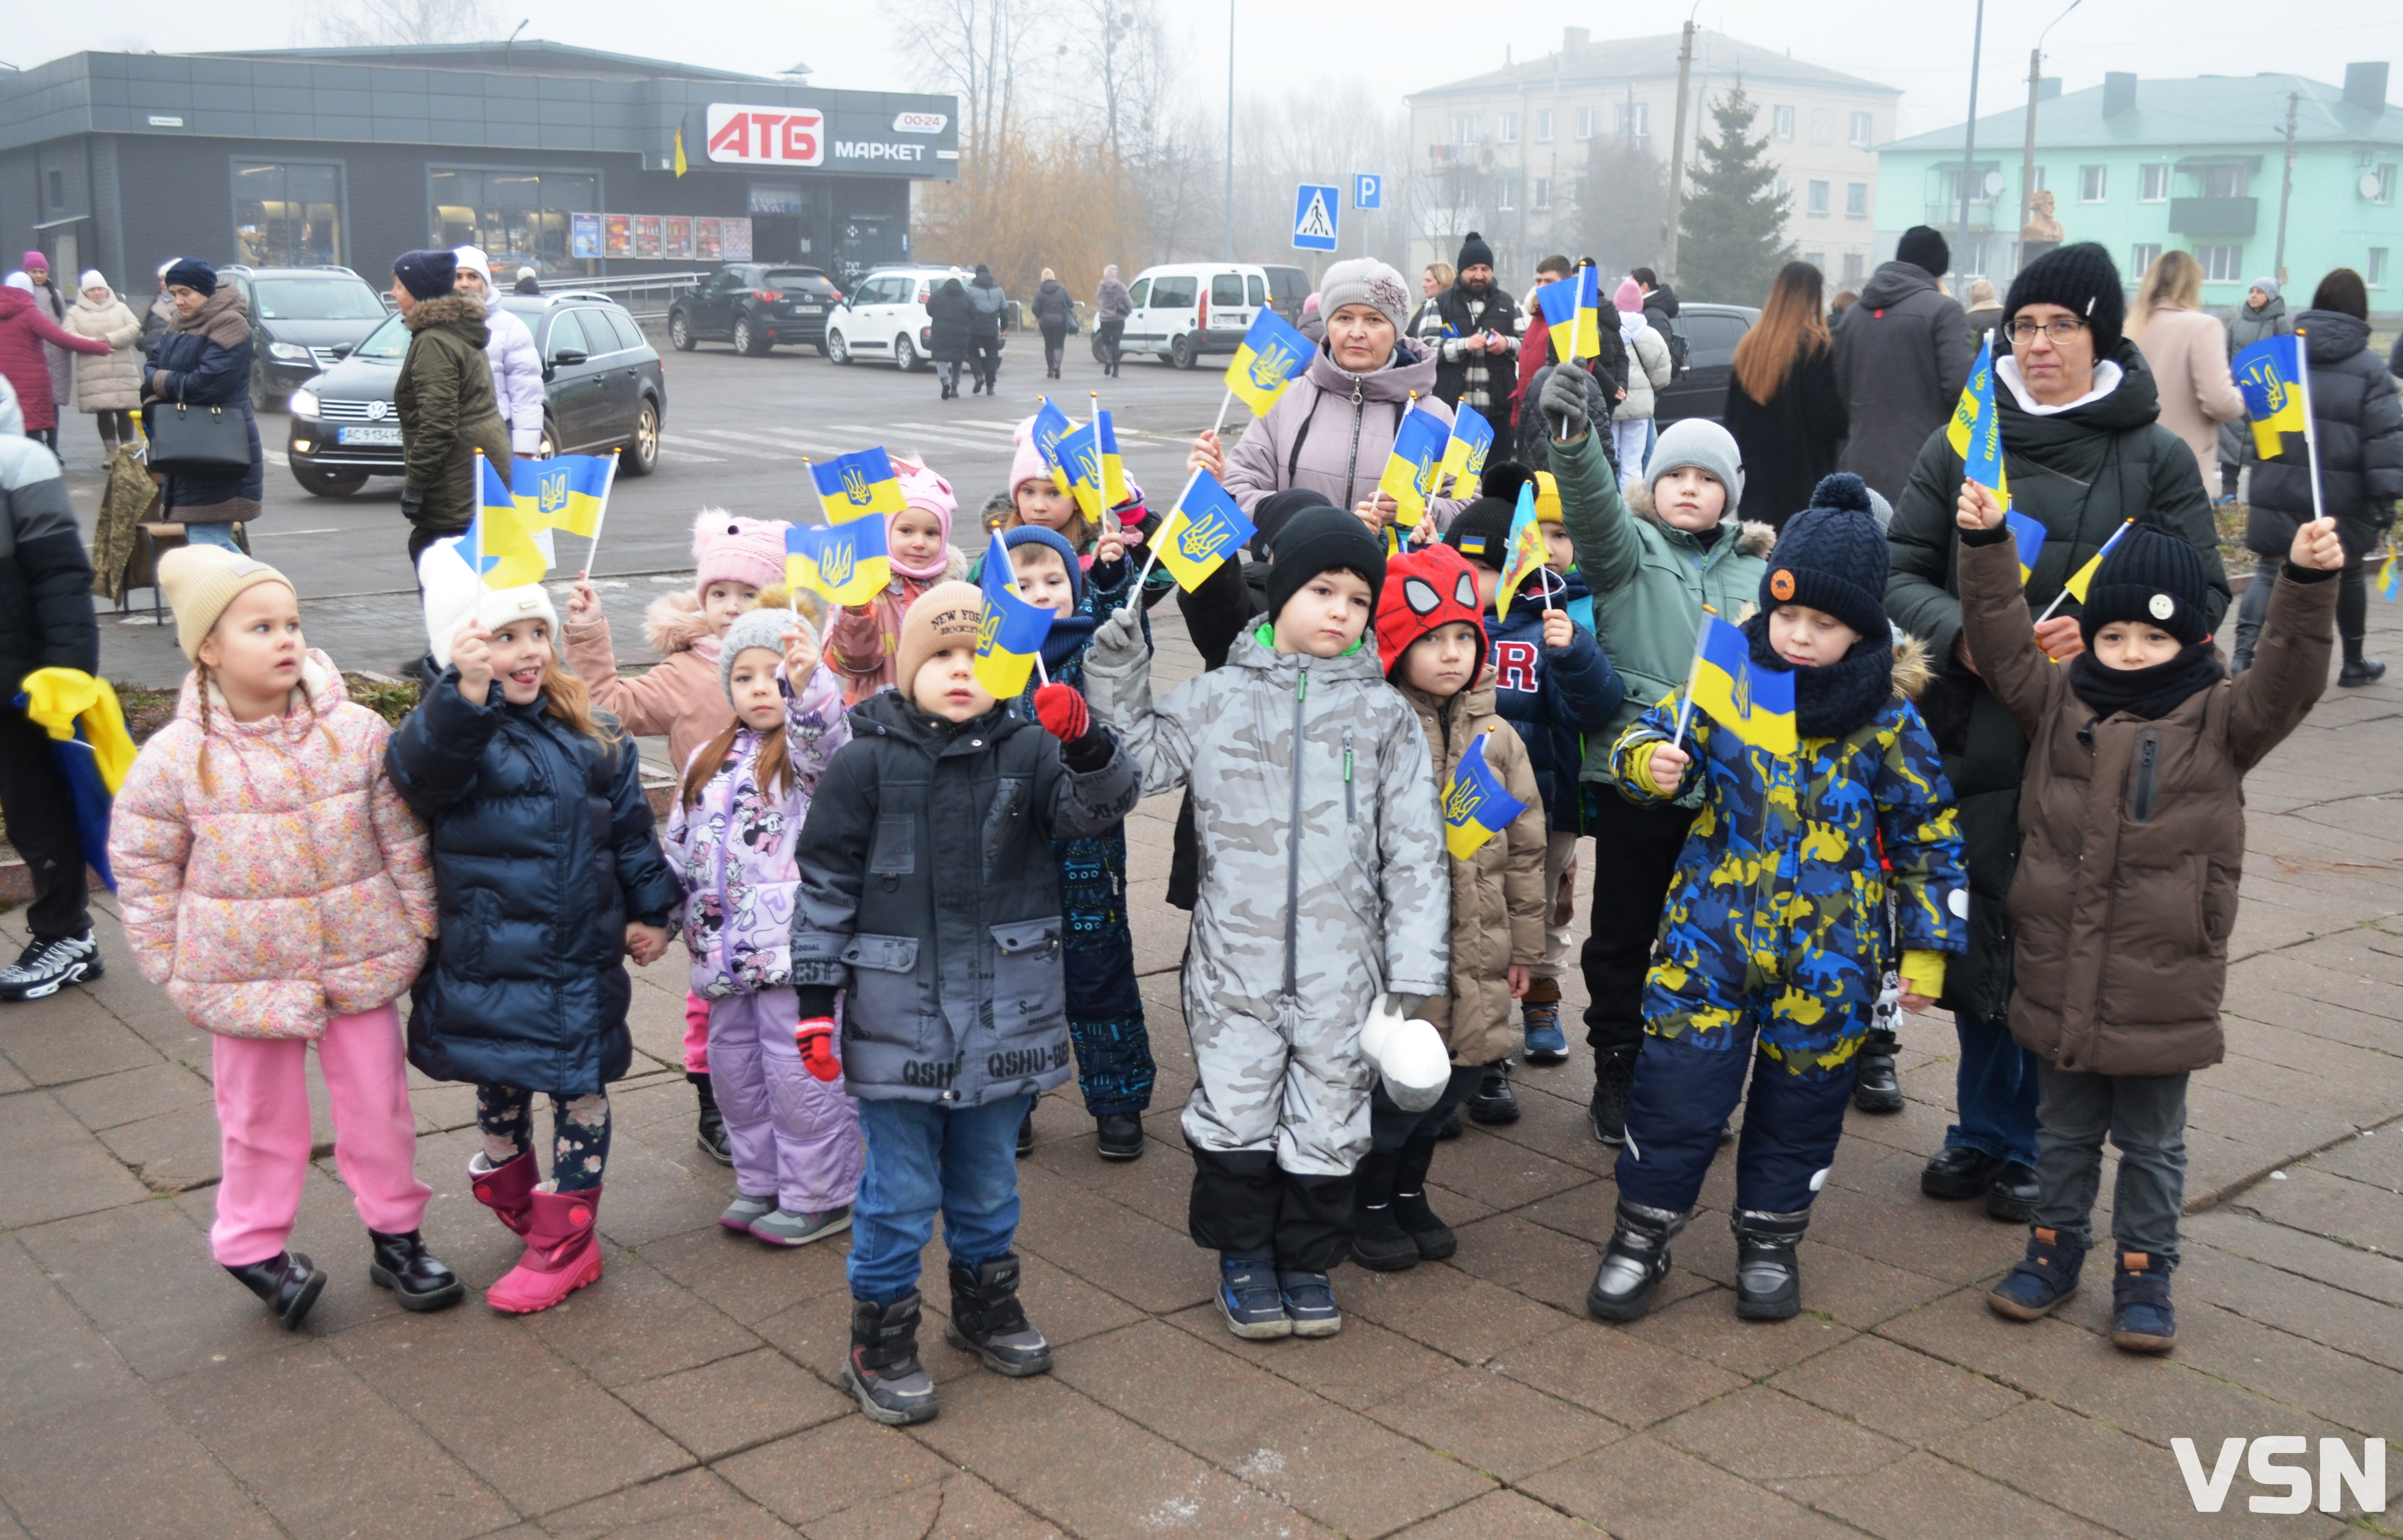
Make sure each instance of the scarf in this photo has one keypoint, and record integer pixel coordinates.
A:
(2146, 694)
(1838, 699)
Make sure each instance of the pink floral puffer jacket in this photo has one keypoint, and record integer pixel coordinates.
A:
(292, 884)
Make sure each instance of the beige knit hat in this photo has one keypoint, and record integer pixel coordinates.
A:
(944, 614)
(200, 581)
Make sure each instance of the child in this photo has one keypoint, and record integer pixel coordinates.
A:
(928, 894)
(731, 839)
(548, 873)
(680, 696)
(2132, 823)
(1774, 928)
(1321, 888)
(1037, 502)
(1428, 624)
(918, 542)
(274, 883)
(1114, 1065)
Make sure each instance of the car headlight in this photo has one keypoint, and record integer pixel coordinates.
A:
(303, 403)
(291, 353)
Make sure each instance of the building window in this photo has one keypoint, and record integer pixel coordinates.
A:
(1856, 200)
(1468, 129)
(1818, 204)
(1509, 128)
(1783, 188)
(288, 214)
(1817, 258)
(55, 188)
(1502, 196)
(1781, 122)
(2153, 183)
(2374, 271)
(2382, 183)
(1543, 192)
(2090, 180)
(1635, 118)
(2040, 184)
(1585, 122)
(520, 217)
(1544, 125)
(1856, 265)
(2220, 264)
(2142, 256)
(2226, 181)
(1823, 126)
(1864, 130)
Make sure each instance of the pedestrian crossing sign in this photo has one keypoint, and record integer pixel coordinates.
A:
(1315, 207)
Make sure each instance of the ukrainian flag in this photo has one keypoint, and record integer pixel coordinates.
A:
(1203, 531)
(498, 547)
(2390, 580)
(1114, 481)
(1271, 357)
(2029, 534)
(1526, 552)
(1472, 439)
(2083, 578)
(848, 563)
(1411, 469)
(1051, 424)
(1975, 431)
(89, 746)
(2270, 375)
(1756, 704)
(1010, 637)
(853, 486)
(1080, 459)
(1477, 806)
(569, 492)
(1575, 302)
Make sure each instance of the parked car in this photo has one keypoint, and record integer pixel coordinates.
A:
(1287, 288)
(886, 316)
(604, 388)
(1711, 334)
(1182, 310)
(754, 306)
(302, 322)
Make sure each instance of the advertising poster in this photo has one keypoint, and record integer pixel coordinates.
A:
(584, 238)
(735, 240)
(675, 235)
(705, 243)
(647, 236)
(617, 235)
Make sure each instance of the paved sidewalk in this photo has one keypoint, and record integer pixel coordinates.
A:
(691, 1392)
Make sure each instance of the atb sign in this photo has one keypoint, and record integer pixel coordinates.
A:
(766, 136)
(1313, 217)
(1367, 190)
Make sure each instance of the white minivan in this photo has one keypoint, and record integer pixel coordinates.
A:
(886, 316)
(1182, 310)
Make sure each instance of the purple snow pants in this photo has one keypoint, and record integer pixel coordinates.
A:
(794, 1135)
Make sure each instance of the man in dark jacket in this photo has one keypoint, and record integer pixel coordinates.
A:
(989, 309)
(1477, 360)
(1902, 355)
(445, 399)
(951, 332)
(1660, 309)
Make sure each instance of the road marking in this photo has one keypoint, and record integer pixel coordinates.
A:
(263, 535)
(686, 448)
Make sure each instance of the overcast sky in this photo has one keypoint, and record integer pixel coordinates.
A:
(1919, 47)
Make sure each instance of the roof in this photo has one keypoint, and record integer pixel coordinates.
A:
(2211, 109)
(532, 56)
(1623, 59)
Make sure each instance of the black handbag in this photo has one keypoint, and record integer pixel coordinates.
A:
(188, 440)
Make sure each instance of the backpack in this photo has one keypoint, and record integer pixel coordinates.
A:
(1679, 351)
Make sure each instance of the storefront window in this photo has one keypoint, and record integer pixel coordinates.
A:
(288, 213)
(520, 217)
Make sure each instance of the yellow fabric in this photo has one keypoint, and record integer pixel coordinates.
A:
(59, 698)
(1639, 762)
(1548, 498)
(1923, 973)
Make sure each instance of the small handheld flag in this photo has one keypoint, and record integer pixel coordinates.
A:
(1526, 552)
(90, 746)
(2083, 578)
(569, 492)
(1009, 639)
(1477, 806)
(853, 486)
(1114, 479)
(1411, 469)
(1273, 356)
(847, 563)
(1080, 459)
(1756, 704)
(1975, 431)
(1472, 440)
(499, 548)
(1203, 531)
(1051, 424)
(2270, 373)
(1573, 302)
(2029, 534)
(2390, 580)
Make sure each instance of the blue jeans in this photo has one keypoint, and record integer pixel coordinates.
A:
(922, 1156)
(1997, 1091)
(218, 534)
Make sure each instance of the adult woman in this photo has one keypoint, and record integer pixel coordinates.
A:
(1112, 305)
(1986, 311)
(47, 295)
(1783, 405)
(1427, 322)
(444, 396)
(509, 351)
(988, 312)
(950, 326)
(25, 326)
(107, 388)
(204, 361)
(1647, 373)
(2188, 351)
(1055, 312)
(2263, 315)
(2358, 426)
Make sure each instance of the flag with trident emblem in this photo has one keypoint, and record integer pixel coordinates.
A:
(1206, 527)
(570, 492)
(853, 486)
(1273, 356)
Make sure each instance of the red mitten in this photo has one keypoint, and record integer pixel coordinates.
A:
(1062, 712)
(815, 1039)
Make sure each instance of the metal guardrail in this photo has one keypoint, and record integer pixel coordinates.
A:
(646, 297)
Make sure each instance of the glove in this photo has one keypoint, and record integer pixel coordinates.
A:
(1062, 712)
(412, 503)
(1119, 640)
(1563, 396)
(815, 1039)
(1409, 1055)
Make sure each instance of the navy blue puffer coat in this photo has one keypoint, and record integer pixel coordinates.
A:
(543, 850)
(204, 361)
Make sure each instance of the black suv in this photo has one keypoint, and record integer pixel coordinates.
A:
(1711, 333)
(603, 389)
(754, 306)
(302, 322)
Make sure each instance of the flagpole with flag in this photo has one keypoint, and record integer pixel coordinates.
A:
(2311, 438)
(2083, 578)
(599, 519)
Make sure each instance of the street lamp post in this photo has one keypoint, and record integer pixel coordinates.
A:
(2035, 78)
(1969, 143)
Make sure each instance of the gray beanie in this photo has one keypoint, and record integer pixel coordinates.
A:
(2268, 286)
(759, 627)
(1365, 281)
(1699, 442)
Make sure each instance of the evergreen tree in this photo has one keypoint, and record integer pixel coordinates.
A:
(1731, 234)
(1623, 206)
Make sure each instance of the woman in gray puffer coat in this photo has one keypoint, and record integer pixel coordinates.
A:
(1112, 305)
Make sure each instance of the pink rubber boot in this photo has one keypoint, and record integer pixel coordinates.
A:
(562, 1255)
(507, 1188)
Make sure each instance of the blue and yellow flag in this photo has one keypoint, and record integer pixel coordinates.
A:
(2029, 536)
(853, 486)
(848, 563)
(1573, 302)
(89, 746)
(1010, 637)
(1975, 431)
(2083, 578)
(2390, 580)
(1527, 551)
(1273, 356)
(1080, 459)
(569, 492)
(1205, 528)
(1477, 806)
(1411, 469)
(1463, 455)
(1755, 703)
(499, 546)
(1051, 424)
(2270, 375)
(1114, 481)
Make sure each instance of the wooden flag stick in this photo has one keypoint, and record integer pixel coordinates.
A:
(599, 519)
(476, 556)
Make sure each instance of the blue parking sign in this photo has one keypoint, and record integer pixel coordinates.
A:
(1367, 190)
(1314, 211)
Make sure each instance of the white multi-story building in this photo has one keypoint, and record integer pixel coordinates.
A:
(1506, 153)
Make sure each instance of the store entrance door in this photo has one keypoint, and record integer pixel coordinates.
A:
(869, 239)
(775, 238)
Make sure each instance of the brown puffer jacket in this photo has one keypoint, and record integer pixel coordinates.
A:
(2133, 844)
(1498, 895)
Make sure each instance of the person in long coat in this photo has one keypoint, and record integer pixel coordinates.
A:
(204, 360)
(109, 388)
(950, 317)
(1783, 404)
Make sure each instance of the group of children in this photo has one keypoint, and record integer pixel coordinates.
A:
(905, 901)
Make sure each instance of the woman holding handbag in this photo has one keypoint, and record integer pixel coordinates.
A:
(203, 362)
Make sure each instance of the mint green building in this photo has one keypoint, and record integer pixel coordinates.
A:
(2144, 166)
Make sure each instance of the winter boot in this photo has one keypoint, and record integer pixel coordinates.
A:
(1308, 1300)
(2042, 1279)
(1430, 1235)
(45, 968)
(1118, 1136)
(1450, 1128)
(562, 1255)
(2142, 1319)
(2357, 671)
(288, 1282)
(987, 1320)
(507, 1188)
(1494, 1102)
(1768, 1279)
(418, 1282)
(711, 1134)
(1614, 1082)
(1248, 1297)
(1634, 1262)
(2011, 1196)
(1875, 1088)
(1026, 1135)
(1539, 1017)
(1377, 1242)
(882, 1371)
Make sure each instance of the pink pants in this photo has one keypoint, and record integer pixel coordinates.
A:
(262, 1093)
(696, 1034)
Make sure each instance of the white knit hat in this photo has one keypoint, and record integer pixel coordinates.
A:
(453, 593)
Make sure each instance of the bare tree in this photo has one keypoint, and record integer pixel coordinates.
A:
(975, 46)
(373, 24)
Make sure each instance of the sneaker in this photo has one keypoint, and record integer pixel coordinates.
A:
(1249, 1299)
(2142, 1319)
(782, 1227)
(1494, 1102)
(2042, 1280)
(1614, 1082)
(1309, 1302)
(739, 1213)
(1546, 1044)
(46, 967)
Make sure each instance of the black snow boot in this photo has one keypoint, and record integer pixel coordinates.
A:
(1494, 1102)
(711, 1132)
(1614, 1082)
(2359, 669)
(402, 1263)
(1634, 1262)
(1768, 1279)
(882, 1371)
(1875, 1088)
(1431, 1235)
(1377, 1242)
(987, 1320)
(288, 1282)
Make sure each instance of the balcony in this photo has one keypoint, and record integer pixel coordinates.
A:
(2214, 215)
(1947, 216)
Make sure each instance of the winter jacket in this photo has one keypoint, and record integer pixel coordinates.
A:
(448, 411)
(860, 643)
(1539, 350)
(988, 308)
(58, 306)
(2187, 354)
(2133, 831)
(1535, 435)
(2244, 329)
(930, 892)
(45, 615)
(517, 375)
(2079, 473)
(1112, 302)
(1333, 431)
(544, 850)
(1902, 355)
(1556, 700)
(1650, 582)
(25, 325)
(204, 360)
(680, 694)
(950, 322)
(1983, 322)
(1459, 365)
(2358, 425)
(1660, 307)
(1790, 441)
(1054, 312)
(733, 851)
(112, 382)
(270, 876)
(1498, 900)
(1648, 372)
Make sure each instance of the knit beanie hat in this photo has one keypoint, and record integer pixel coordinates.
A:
(1629, 299)
(1365, 281)
(92, 278)
(727, 549)
(2268, 285)
(928, 492)
(1271, 514)
(200, 581)
(35, 262)
(190, 273)
(943, 615)
(759, 627)
(1027, 463)
(1832, 557)
(2081, 279)
(426, 274)
(1699, 442)
(472, 259)
(1430, 588)
(453, 593)
(1323, 539)
(1548, 498)
(1482, 530)
(1053, 541)
(2151, 576)
(1474, 252)
(1924, 248)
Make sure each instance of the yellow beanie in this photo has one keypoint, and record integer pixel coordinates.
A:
(1548, 498)
(200, 581)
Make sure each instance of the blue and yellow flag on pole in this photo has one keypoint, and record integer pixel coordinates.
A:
(1477, 806)
(570, 492)
(2083, 578)
(853, 486)
(1205, 528)
(2270, 373)
(1114, 481)
(1411, 469)
(1975, 431)
(1051, 424)
(2030, 536)
(1526, 553)
(848, 563)
(89, 746)
(1573, 302)
(1009, 638)
(1464, 454)
(2390, 580)
(1080, 459)
(1271, 357)
(498, 547)
(1755, 703)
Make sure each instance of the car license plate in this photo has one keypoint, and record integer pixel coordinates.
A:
(808, 310)
(367, 435)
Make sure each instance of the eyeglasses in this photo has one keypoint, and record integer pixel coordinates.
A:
(2062, 331)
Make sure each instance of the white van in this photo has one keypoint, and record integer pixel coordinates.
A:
(886, 316)
(1182, 310)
